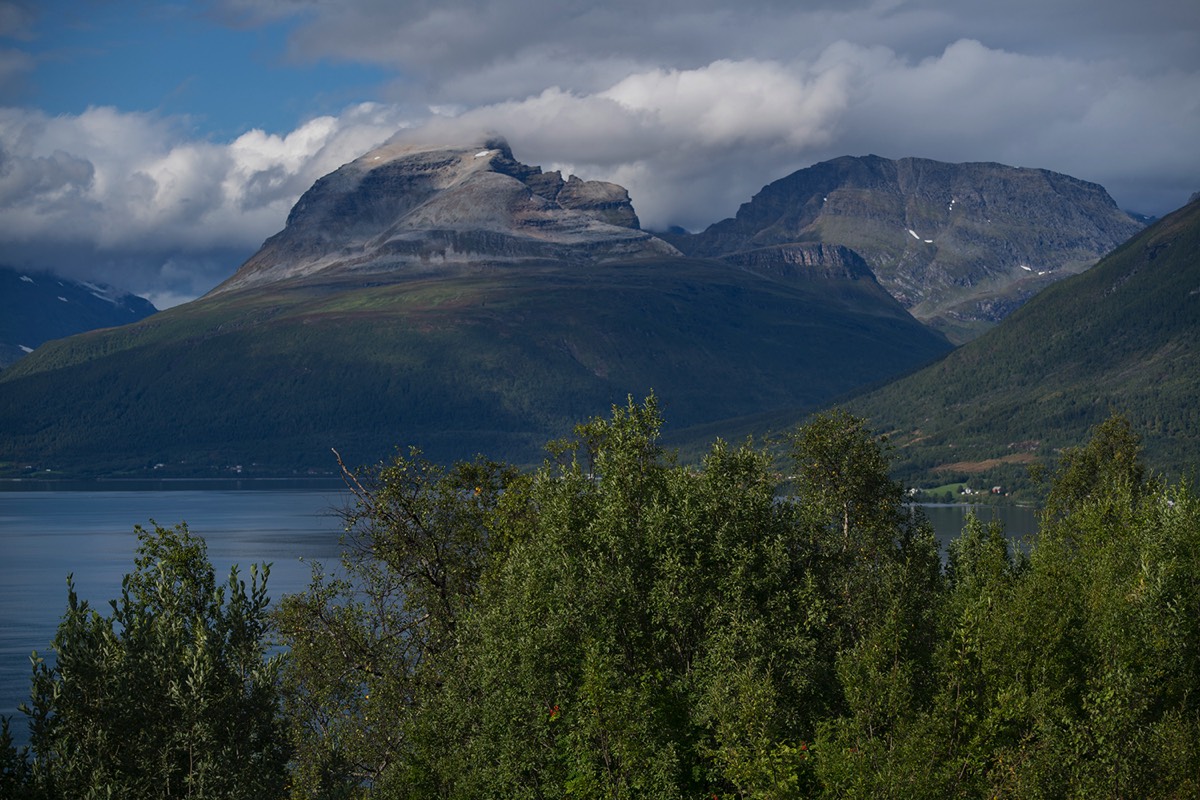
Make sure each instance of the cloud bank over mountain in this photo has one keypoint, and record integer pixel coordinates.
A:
(691, 106)
(136, 195)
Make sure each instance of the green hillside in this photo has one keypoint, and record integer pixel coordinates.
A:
(1123, 336)
(493, 360)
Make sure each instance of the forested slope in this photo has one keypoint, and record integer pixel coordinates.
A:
(1123, 336)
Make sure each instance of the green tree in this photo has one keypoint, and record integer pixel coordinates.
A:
(614, 624)
(172, 695)
(843, 478)
(1107, 469)
(15, 778)
(369, 644)
(560, 687)
(1070, 673)
(648, 632)
(949, 746)
(877, 565)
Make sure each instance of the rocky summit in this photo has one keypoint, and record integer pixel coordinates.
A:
(960, 245)
(410, 207)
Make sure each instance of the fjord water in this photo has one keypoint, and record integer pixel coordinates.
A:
(88, 532)
(44, 535)
(1020, 522)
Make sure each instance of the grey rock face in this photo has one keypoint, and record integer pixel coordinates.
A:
(406, 206)
(804, 260)
(960, 245)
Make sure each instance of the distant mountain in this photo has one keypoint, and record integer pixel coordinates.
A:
(1123, 336)
(454, 298)
(960, 245)
(36, 307)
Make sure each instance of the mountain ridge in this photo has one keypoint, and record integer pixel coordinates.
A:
(959, 245)
(458, 300)
(1121, 337)
(455, 298)
(36, 307)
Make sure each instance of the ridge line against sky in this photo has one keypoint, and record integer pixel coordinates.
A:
(154, 146)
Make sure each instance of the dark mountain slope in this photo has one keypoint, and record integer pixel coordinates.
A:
(960, 245)
(1123, 336)
(477, 360)
(36, 307)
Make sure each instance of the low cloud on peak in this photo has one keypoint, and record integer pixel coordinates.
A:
(691, 106)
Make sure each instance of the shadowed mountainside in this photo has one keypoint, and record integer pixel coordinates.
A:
(493, 360)
(1123, 336)
(36, 307)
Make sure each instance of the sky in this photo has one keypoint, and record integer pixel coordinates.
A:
(153, 146)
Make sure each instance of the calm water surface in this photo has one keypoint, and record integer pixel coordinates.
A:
(44, 535)
(1020, 522)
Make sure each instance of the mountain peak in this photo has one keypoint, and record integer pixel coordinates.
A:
(960, 245)
(412, 206)
(36, 307)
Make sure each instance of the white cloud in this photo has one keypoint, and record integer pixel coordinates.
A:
(1090, 119)
(51, 177)
(586, 46)
(691, 145)
(693, 106)
(732, 103)
(134, 193)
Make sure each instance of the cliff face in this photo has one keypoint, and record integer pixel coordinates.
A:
(805, 261)
(411, 207)
(960, 245)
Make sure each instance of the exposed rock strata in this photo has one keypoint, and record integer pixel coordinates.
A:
(804, 260)
(940, 237)
(405, 206)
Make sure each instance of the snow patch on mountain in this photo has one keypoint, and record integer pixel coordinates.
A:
(104, 293)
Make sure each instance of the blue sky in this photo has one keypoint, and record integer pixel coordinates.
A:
(174, 59)
(155, 146)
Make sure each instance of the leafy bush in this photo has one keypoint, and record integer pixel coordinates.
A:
(169, 696)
